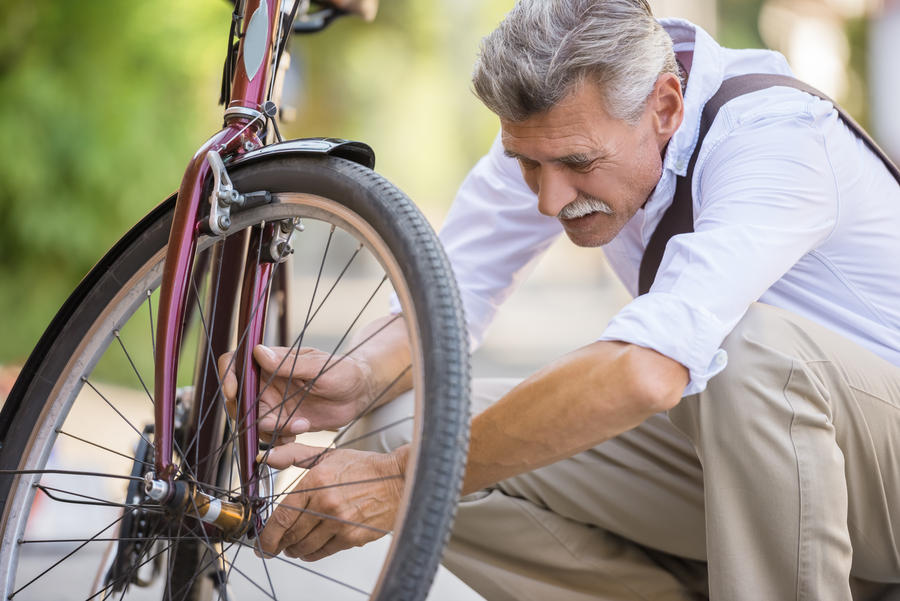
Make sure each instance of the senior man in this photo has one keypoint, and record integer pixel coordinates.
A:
(742, 413)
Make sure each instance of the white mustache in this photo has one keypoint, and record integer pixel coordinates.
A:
(584, 205)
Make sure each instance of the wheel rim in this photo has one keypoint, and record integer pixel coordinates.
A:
(107, 334)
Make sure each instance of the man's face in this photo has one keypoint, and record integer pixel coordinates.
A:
(591, 171)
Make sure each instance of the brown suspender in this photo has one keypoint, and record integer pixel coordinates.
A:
(679, 217)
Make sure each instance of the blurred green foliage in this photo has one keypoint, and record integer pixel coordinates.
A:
(105, 101)
(738, 23)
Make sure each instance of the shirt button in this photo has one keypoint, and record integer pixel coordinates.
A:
(680, 165)
(720, 359)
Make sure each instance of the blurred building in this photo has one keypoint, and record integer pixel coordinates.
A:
(884, 84)
(847, 49)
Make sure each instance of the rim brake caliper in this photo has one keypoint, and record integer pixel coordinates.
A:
(223, 196)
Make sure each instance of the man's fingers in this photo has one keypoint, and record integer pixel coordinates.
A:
(311, 541)
(282, 419)
(281, 520)
(294, 453)
(336, 544)
(284, 362)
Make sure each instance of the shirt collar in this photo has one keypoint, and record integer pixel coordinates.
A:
(707, 72)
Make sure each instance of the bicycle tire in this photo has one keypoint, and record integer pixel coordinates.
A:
(401, 241)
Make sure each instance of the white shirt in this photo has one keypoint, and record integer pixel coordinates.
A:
(790, 209)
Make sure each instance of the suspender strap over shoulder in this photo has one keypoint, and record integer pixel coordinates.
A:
(679, 217)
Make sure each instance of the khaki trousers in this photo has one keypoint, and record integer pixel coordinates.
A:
(780, 481)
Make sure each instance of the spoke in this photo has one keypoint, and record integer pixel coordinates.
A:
(152, 331)
(328, 365)
(372, 404)
(312, 299)
(232, 566)
(98, 501)
(318, 457)
(149, 396)
(340, 276)
(99, 446)
(393, 424)
(210, 548)
(215, 557)
(305, 569)
(298, 341)
(209, 351)
(241, 341)
(98, 540)
(70, 473)
(240, 423)
(171, 560)
(119, 413)
(65, 557)
(303, 391)
(265, 566)
(154, 538)
(133, 366)
(109, 587)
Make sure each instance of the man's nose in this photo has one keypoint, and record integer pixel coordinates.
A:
(554, 192)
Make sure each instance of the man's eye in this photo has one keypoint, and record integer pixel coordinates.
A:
(582, 167)
(526, 164)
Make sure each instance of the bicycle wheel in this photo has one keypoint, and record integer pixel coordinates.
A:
(81, 437)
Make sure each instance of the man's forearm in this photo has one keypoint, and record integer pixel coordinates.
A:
(582, 399)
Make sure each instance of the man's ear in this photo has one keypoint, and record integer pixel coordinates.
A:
(667, 106)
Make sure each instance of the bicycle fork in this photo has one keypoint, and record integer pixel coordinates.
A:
(243, 123)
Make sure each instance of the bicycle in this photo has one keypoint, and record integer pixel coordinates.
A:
(170, 487)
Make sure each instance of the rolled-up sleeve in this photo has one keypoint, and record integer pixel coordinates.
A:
(767, 196)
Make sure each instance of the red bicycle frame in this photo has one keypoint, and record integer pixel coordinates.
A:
(244, 120)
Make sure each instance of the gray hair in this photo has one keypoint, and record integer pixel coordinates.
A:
(545, 47)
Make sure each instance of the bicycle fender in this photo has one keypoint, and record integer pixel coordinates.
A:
(358, 152)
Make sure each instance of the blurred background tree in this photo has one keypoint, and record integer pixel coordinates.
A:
(102, 110)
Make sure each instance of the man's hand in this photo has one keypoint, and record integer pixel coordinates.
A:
(347, 499)
(306, 391)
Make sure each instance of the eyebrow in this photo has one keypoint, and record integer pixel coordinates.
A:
(575, 158)
(514, 155)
